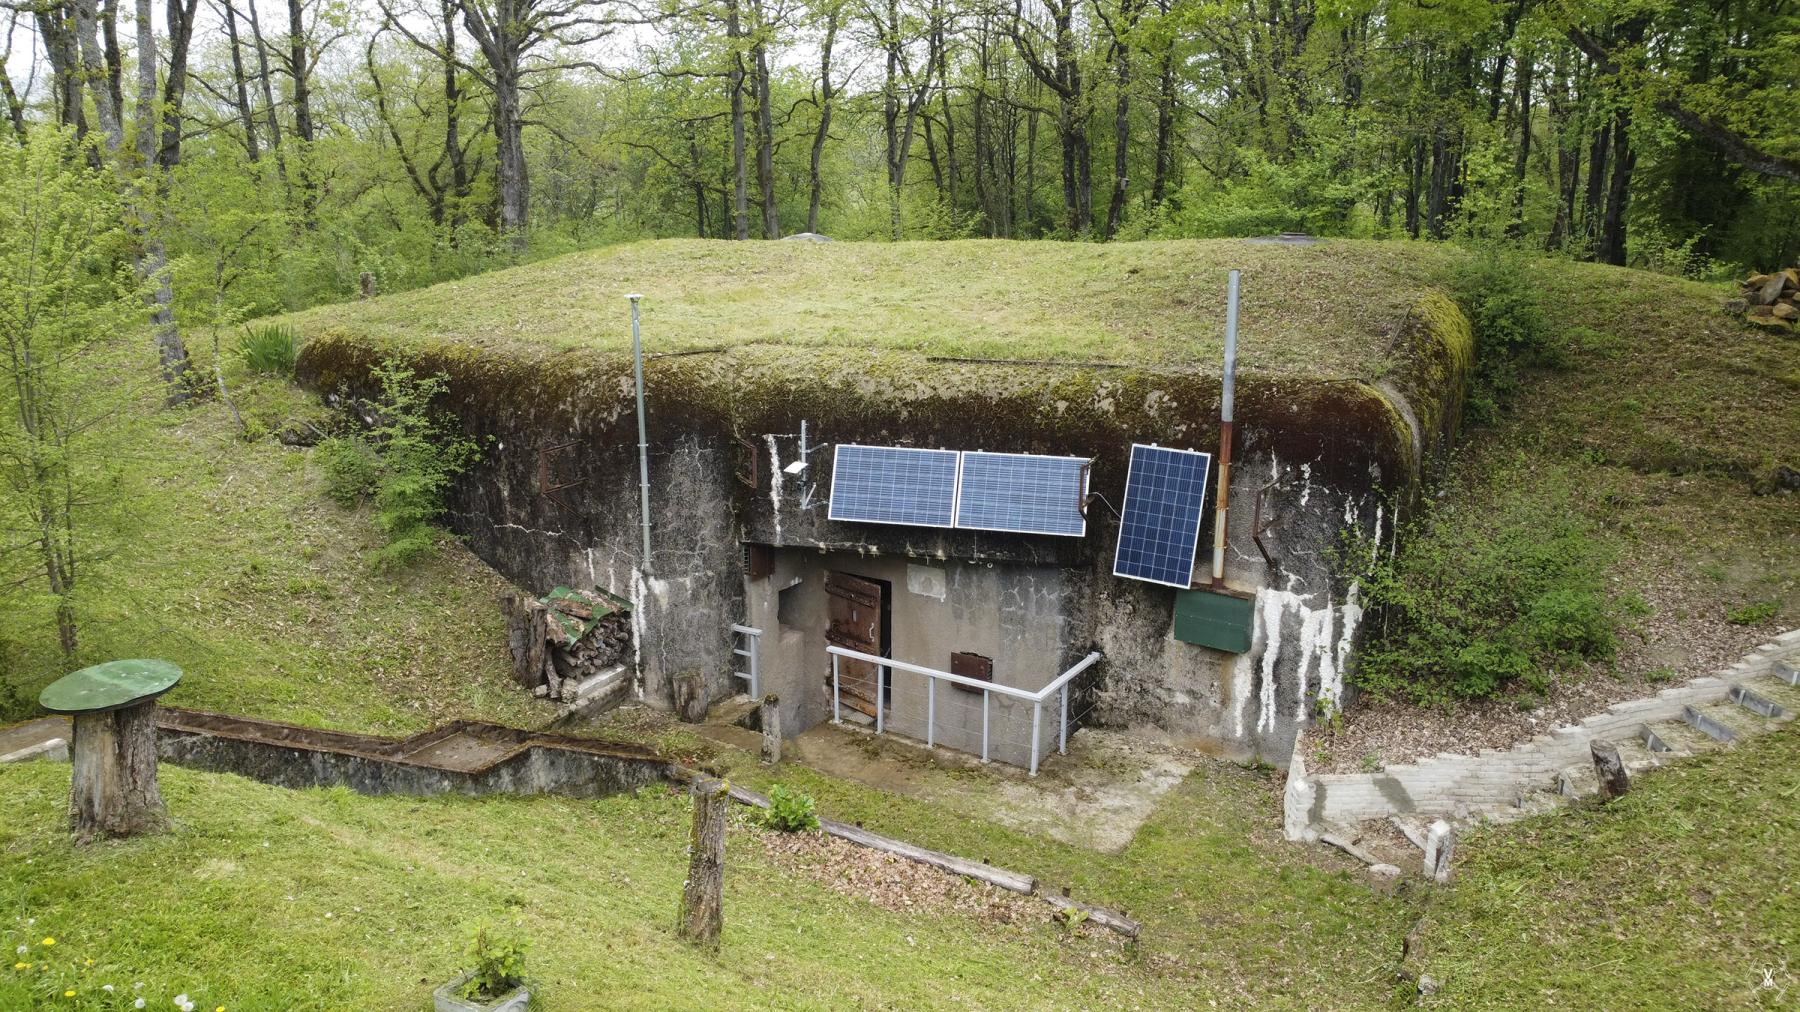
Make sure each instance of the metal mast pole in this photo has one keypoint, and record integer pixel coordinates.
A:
(637, 361)
(1226, 396)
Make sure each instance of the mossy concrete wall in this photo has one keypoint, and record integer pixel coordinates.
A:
(1324, 455)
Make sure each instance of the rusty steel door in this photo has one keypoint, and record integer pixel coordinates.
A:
(857, 609)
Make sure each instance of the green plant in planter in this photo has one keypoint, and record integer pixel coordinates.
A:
(499, 963)
(790, 811)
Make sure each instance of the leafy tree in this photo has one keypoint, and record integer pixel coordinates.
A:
(66, 294)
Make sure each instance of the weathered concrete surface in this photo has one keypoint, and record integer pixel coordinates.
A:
(459, 758)
(1329, 457)
(1502, 783)
(1096, 797)
(35, 739)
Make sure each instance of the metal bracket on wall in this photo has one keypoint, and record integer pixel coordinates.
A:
(548, 487)
(1258, 528)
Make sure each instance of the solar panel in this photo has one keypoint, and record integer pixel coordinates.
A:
(1165, 491)
(1023, 493)
(894, 485)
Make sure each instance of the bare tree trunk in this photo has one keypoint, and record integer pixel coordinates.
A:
(93, 63)
(460, 183)
(1165, 127)
(15, 107)
(66, 65)
(267, 77)
(1115, 211)
(702, 915)
(241, 84)
(824, 130)
(300, 71)
(740, 207)
(113, 790)
(115, 61)
(765, 131)
(153, 259)
(1611, 248)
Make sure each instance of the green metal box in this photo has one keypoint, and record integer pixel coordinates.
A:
(1211, 619)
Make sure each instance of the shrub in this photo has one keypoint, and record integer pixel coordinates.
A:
(499, 963)
(405, 463)
(270, 348)
(790, 811)
(1482, 601)
(350, 467)
(1512, 330)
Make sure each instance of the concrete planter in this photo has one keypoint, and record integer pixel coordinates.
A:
(448, 998)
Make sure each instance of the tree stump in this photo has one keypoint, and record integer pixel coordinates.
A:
(771, 729)
(366, 282)
(112, 787)
(690, 696)
(1615, 782)
(703, 895)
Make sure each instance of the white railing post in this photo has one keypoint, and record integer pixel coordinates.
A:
(930, 712)
(755, 688)
(880, 695)
(837, 707)
(1037, 716)
(984, 725)
(1062, 734)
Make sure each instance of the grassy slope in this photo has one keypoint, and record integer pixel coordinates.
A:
(1676, 896)
(1667, 416)
(1319, 310)
(237, 569)
(232, 908)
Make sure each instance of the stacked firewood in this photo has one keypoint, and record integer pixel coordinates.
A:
(1771, 300)
(564, 639)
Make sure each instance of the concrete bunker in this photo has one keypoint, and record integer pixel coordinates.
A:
(741, 538)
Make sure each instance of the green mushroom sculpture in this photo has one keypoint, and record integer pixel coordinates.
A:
(112, 789)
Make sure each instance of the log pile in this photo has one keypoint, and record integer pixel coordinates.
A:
(564, 639)
(1771, 300)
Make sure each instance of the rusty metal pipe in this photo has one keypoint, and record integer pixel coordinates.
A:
(1227, 392)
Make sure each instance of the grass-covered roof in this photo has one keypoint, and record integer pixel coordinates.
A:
(1327, 309)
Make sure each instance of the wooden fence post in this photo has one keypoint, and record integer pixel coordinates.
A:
(1614, 780)
(703, 895)
(1440, 846)
(690, 696)
(771, 729)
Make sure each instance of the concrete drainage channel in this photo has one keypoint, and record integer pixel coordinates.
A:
(468, 757)
(1752, 696)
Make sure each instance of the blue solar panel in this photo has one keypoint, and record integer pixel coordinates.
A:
(1023, 493)
(1165, 492)
(894, 485)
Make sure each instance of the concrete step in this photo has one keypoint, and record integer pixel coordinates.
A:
(1772, 688)
(1756, 702)
(1740, 721)
(1787, 671)
(738, 711)
(1636, 755)
(1708, 721)
(1679, 739)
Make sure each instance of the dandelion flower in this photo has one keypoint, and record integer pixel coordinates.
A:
(48, 940)
(69, 994)
(21, 966)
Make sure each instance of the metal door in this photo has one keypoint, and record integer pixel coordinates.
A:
(857, 608)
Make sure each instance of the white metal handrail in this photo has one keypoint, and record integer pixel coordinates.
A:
(1059, 686)
(752, 638)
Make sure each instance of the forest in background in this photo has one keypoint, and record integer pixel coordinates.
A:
(273, 153)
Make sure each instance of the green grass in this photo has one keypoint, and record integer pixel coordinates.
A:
(232, 907)
(1321, 310)
(1679, 895)
(233, 565)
